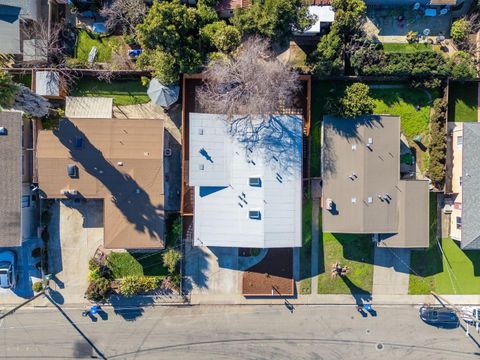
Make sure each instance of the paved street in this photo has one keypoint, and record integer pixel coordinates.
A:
(232, 332)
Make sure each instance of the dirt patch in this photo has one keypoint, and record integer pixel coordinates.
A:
(273, 276)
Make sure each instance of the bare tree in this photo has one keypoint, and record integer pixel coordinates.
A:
(45, 49)
(125, 14)
(252, 82)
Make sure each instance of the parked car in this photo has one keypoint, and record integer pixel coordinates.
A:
(8, 271)
(439, 316)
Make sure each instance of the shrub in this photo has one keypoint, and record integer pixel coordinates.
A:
(98, 290)
(130, 285)
(149, 283)
(145, 81)
(438, 143)
(94, 274)
(171, 257)
(460, 30)
(93, 264)
(74, 63)
(37, 286)
(354, 102)
(412, 37)
(462, 66)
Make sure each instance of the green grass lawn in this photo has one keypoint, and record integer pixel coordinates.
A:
(452, 272)
(306, 249)
(402, 102)
(462, 102)
(406, 48)
(139, 264)
(354, 251)
(104, 45)
(124, 92)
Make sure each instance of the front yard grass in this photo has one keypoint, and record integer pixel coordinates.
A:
(352, 250)
(104, 45)
(306, 249)
(462, 102)
(123, 92)
(452, 272)
(124, 264)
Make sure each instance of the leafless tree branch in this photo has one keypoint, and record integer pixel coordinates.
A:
(125, 14)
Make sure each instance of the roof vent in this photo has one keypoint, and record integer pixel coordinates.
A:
(168, 152)
(255, 215)
(255, 181)
(370, 143)
(3, 131)
(369, 200)
(329, 204)
(354, 200)
(200, 131)
(72, 170)
(354, 147)
(120, 163)
(201, 167)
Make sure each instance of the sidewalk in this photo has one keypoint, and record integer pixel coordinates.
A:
(333, 300)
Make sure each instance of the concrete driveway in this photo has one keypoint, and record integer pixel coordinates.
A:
(76, 231)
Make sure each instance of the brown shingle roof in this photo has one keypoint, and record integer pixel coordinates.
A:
(120, 161)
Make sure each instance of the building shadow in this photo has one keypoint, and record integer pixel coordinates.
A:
(126, 194)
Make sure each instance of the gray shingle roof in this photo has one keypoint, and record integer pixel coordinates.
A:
(470, 187)
(10, 178)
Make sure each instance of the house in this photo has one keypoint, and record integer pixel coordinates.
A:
(16, 203)
(114, 160)
(324, 15)
(412, 2)
(362, 191)
(247, 185)
(225, 8)
(463, 200)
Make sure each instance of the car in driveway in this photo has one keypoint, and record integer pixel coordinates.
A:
(8, 271)
(439, 316)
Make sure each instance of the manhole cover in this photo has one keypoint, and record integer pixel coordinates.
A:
(379, 347)
(368, 331)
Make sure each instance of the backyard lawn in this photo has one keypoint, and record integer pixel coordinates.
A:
(352, 250)
(406, 48)
(124, 92)
(306, 249)
(462, 102)
(104, 45)
(138, 263)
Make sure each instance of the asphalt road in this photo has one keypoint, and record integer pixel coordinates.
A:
(231, 332)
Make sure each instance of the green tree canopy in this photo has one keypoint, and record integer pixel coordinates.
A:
(275, 19)
(222, 36)
(462, 66)
(460, 30)
(171, 257)
(349, 16)
(8, 89)
(169, 36)
(356, 101)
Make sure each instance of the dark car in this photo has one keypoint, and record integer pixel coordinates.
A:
(439, 316)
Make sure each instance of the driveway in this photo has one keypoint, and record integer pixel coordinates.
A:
(75, 234)
(211, 270)
(391, 271)
(26, 270)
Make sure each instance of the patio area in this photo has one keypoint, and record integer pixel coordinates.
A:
(388, 23)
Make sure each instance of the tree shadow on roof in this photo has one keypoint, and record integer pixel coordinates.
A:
(279, 138)
(127, 195)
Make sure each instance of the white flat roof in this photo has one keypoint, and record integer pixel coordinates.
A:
(324, 14)
(47, 83)
(221, 166)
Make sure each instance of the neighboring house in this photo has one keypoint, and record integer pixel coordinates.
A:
(324, 15)
(463, 202)
(115, 160)
(362, 189)
(16, 203)
(225, 8)
(247, 186)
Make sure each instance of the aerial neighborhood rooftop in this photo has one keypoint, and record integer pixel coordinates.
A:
(240, 152)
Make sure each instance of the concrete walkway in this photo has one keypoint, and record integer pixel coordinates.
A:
(315, 244)
(391, 271)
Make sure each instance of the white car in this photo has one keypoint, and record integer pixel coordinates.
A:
(8, 272)
(470, 313)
